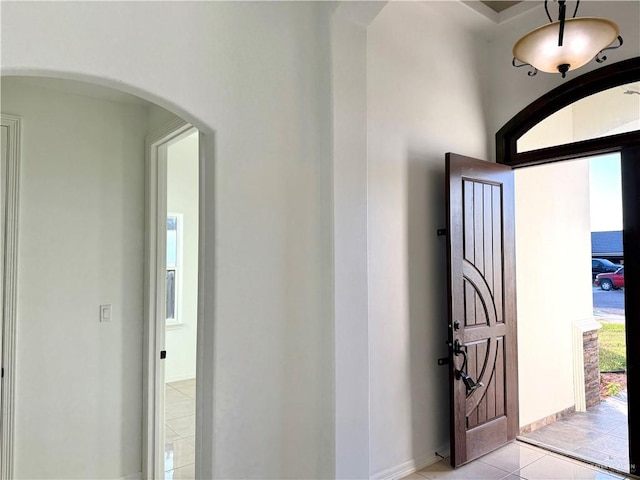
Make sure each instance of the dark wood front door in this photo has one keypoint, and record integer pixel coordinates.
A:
(482, 307)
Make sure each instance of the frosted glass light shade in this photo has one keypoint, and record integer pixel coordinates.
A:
(584, 37)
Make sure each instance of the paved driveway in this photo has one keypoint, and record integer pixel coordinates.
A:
(608, 306)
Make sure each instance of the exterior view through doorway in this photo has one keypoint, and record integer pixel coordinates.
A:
(571, 330)
(579, 126)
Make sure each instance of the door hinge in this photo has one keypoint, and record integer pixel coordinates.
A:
(163, 354)
(441, 232)
(2, 376)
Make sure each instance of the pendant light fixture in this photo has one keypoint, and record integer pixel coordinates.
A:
(567, 44)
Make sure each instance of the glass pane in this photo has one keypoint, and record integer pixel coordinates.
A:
(171, 294)
(603, 114)
(172, 241)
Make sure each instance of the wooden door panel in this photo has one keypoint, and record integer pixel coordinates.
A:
(481, 307)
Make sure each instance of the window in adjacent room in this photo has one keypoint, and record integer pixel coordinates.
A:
(174, 254)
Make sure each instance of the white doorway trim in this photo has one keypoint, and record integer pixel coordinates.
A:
(155, 285)
(9, 194)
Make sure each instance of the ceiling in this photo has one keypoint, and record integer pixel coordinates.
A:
(499, 5)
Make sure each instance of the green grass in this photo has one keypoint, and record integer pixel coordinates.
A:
(612, 347)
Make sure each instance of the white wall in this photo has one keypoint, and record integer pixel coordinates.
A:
(81, 238)
(258, 75)
(422, 92)
(553, 244)
(182, 199)
(349, 68)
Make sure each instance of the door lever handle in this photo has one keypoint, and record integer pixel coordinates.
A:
(461, 374)
(469, 383)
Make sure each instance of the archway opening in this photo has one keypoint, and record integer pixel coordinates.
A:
(88, 354)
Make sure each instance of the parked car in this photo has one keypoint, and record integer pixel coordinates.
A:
(611, 281)
(602, 265)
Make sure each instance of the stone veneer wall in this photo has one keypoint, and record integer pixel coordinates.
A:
(591, 368)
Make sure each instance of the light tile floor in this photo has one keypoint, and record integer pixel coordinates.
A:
(180, 430)
(516, 460)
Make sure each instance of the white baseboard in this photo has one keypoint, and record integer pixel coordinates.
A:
(133, 476)
(412, 466)
(444, 450)
(179, 378)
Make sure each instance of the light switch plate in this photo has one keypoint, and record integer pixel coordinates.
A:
(105, 313)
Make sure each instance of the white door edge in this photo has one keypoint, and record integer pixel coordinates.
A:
(155, 266)
(9, 195)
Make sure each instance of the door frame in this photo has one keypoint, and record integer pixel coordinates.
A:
(604, 78)
(154, 287)
(628, 145)
(9, 197)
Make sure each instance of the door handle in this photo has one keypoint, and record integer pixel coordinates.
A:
(461, 374)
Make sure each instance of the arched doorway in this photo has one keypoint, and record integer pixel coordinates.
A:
(627, 144)
(107, 189)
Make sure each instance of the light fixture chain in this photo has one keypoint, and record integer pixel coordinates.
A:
(576, 10)
(546, 9)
